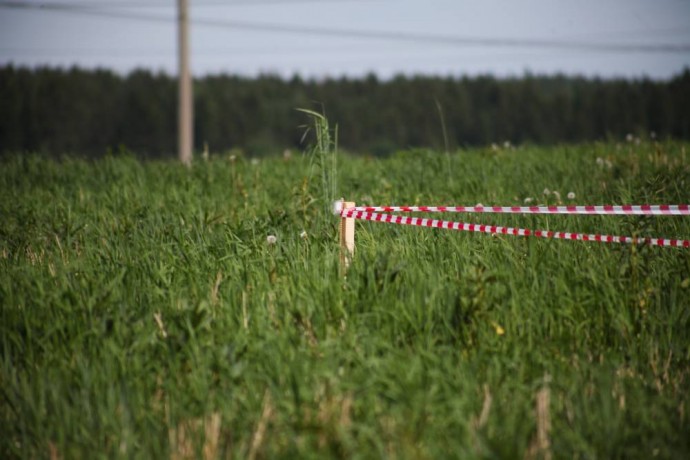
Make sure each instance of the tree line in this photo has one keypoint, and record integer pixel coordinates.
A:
(91, 112)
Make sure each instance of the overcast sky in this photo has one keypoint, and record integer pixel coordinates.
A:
(319, 38)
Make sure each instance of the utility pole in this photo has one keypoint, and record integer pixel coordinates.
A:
(185, 116)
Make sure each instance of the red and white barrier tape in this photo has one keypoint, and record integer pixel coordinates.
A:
(645, 209)
(359, 213)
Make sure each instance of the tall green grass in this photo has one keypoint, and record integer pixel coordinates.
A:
(144, 313)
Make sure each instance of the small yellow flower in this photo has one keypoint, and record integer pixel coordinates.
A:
(498, 328)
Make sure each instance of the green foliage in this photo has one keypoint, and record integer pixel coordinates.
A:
(324, 154)
(144, 314)
(83, 112)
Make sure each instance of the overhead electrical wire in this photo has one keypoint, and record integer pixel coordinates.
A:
(370, 34)
(168, 4)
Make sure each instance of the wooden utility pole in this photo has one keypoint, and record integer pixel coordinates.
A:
(185, 116)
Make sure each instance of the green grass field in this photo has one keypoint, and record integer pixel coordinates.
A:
(144, 314)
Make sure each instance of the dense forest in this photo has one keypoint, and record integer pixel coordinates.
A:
(89, 113)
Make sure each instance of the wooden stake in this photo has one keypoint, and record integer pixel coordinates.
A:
(347, 237)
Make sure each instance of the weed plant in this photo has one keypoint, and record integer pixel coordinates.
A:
(145, 314)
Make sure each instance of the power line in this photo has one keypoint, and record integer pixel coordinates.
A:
(76, 9)
(166, 4)
(374, 35)
(447, 39)
(164, 51)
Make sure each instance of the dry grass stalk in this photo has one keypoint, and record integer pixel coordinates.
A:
(216, 287)
(35, 258)
(346, 411)
(335, 414)
(477, 423)
(53, 452)
(159, 321)
(540, 447)
(182, 438)
(212, 436)
(245, 316)
(62, 253)
(272, 309)
(260, 432)
(486, 408)
(308, 331)
(660, 368)
(389, 427)
(181, 443)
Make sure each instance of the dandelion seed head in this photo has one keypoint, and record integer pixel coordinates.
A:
(303, 235)
(271, 239)
(546, 192)
(571, 195)
(528, 200)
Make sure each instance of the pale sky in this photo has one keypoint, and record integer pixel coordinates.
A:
(333, 38)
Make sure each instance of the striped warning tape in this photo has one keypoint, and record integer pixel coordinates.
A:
(644, 209)
(359, 213)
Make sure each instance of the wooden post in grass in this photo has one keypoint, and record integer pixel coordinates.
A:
(347, 237)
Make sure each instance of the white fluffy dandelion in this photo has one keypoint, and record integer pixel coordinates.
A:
(546, 192)
(528, 200)
(271, 239)
(303, 235)
(571, 195)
